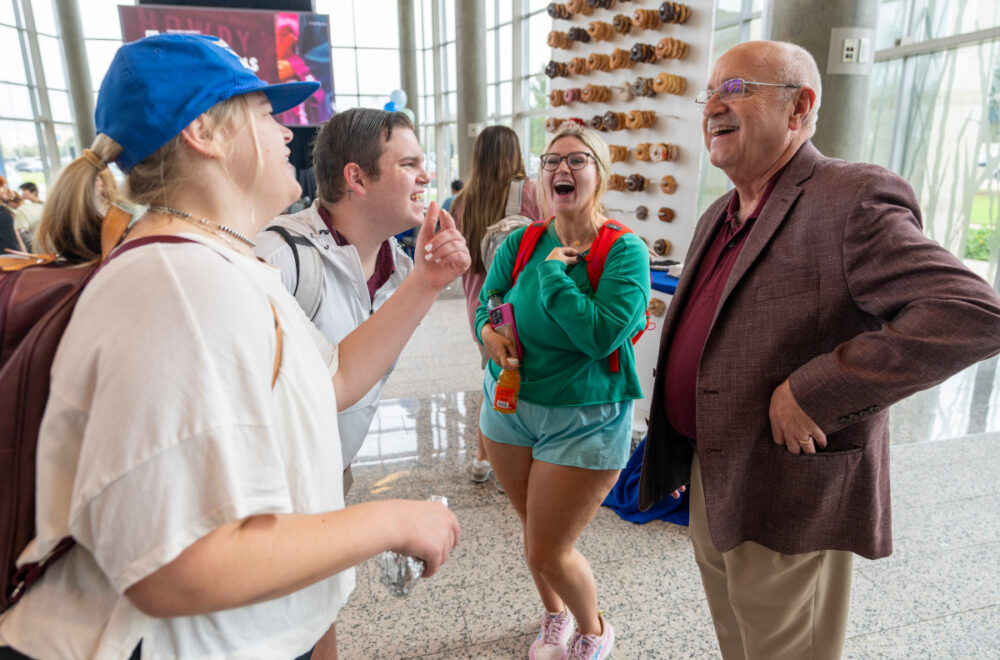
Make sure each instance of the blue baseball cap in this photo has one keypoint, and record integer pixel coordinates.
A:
(156, 86)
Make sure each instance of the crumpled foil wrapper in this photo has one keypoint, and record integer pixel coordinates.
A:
(399, 573)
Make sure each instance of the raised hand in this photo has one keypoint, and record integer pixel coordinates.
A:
(442, 256)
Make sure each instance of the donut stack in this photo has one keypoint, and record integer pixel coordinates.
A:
(580, 7)
(596, 94)
(646, 19)
(668, 83)
(621, 59)
(559, 39)
(674, 12)
(622, 24)
(578, 34)
(557, 10)
(601, 31)
(668, 185)
(671, 49)
(616, 182)
(661, 152)
(556, 69)
(640, 119)
(618, 153)
(635, 183)
(644, 53)
(577, 66)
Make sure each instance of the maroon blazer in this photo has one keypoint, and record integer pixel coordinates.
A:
(838, 290)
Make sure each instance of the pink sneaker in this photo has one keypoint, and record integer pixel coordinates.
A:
(552, 638)
(593, 647)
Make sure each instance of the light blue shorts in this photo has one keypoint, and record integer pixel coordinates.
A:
(595, 437)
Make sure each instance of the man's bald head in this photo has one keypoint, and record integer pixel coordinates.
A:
(790, 64)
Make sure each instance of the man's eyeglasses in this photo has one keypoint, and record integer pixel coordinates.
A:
(576, 160)
(734, 89)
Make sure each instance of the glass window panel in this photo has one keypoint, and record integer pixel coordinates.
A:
(376, 23)
(891, 23)
(491, 100)
(427, 110)
(952, 153)
(538, 5)
(756, 27)
(883, 111)
(727, 10)
(536, 143)
(491, 60)
(10, 55)
(539, 96)
(45, 18)
(506, 12)
(427, 23)
(345, 75)
(452, 104)
(66, 139)
(491, 13)
(377, 101)
(55, 77)
(538, 50)
(506, 42)
(60, 106)
(449, 61)
(724, 39)
(346, 102)
(448, 9)
(452, 170)
(506, 93)
(758, 6)
(100, 18)
(18, 141)
(341, 20)
(378, 71)
(15, 101)
(7, 12)
(99, 56)
(941, 18)
(59, 103)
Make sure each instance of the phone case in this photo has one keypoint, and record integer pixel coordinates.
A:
(502, 317)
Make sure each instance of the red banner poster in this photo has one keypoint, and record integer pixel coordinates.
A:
(277, 46)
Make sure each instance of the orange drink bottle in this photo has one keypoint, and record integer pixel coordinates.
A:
(509, 381)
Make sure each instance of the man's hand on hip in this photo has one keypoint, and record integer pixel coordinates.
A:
(791, 426)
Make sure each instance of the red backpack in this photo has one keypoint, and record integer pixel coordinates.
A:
(609, 232)
(37, 297)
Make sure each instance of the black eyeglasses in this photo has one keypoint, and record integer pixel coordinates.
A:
(735, 88)
(576, 160)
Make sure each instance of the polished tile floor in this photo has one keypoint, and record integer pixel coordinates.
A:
(937, 596)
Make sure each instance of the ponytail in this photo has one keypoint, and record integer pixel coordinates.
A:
(77, 202)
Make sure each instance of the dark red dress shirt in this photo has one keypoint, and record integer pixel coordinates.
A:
(691, 330)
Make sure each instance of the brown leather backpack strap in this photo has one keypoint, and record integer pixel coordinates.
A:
(113, 228)
(277, 345)
(16, 262)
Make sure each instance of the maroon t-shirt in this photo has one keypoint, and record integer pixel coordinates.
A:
(691, 330)
(384, 264)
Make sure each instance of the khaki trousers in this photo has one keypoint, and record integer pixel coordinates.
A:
(768, 605)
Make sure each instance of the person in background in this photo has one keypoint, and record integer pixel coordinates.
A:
(27, 217)
(497, 173)
(29, 191)
(560, 453)
(809, 303)
(370, 185)
(10, 239)
(456, 187)
(189, 443)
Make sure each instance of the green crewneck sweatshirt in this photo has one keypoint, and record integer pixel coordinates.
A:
(567, 330)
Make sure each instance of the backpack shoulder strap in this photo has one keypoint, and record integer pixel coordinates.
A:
(514, 198)
(308, 270)
(529, 239)
(598, 255)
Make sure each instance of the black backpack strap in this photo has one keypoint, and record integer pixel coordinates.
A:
(291, 239)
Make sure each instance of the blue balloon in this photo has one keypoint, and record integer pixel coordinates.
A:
(398, 97)
(390, 106)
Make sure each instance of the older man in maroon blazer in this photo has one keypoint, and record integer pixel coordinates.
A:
(810, 302)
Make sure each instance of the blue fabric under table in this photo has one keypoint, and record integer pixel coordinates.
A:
(624, 497)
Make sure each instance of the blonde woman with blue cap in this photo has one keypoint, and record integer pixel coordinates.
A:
(201, 486)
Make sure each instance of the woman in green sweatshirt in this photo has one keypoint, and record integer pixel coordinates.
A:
(560, 453)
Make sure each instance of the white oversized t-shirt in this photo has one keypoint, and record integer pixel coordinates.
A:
(162, 425)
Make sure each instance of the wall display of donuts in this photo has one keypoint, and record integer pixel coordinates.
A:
(631, 69)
